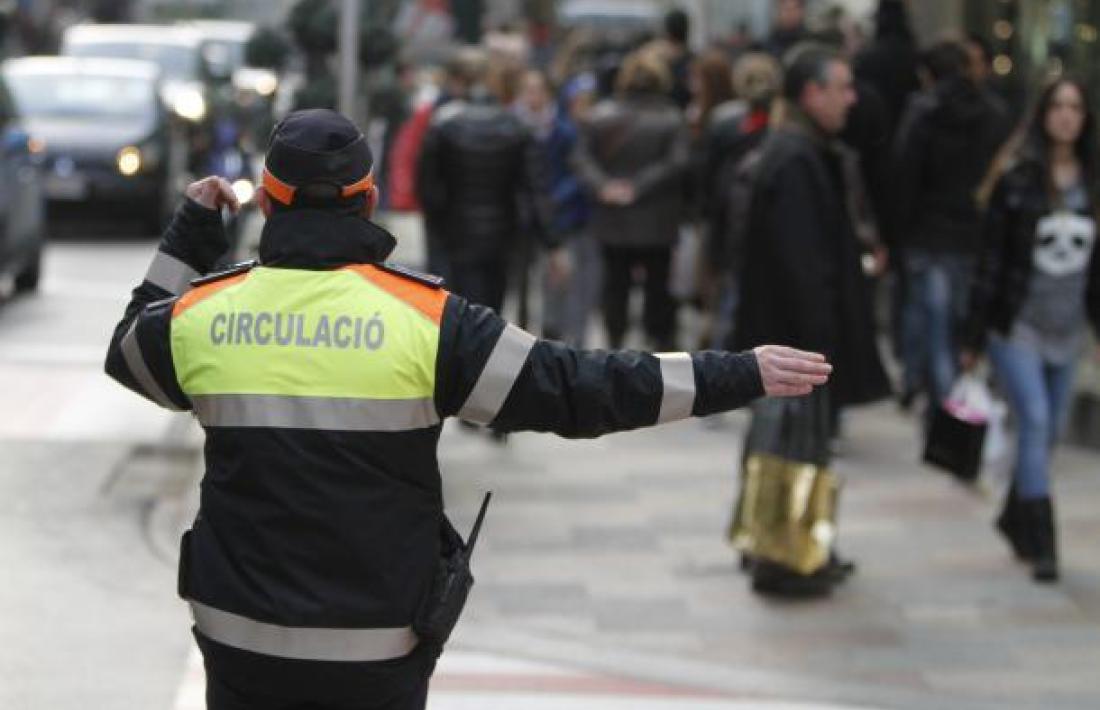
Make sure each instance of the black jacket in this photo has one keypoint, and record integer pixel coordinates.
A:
(889, 64)
(944, 147)
(731, 135)
(1006, 258)
(481, 181)
(339, 529)
(803, 285)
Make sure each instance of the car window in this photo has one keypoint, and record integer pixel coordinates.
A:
(55, 96)
(175, 61)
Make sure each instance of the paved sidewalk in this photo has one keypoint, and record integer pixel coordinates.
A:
(604, 582)
(608, 555)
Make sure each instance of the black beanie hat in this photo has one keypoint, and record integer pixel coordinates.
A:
(320, 153)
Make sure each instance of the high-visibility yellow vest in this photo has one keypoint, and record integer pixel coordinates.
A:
(348, 349)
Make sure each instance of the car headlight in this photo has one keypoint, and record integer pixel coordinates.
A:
(189, 104)
(129, 161)
(244, 190)
(266, 83)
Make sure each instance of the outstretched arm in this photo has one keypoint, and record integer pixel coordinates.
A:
(491, 372)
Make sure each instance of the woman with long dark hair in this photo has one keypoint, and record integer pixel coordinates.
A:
(1037, 285)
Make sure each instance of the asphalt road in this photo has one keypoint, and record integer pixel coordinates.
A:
(87, 609)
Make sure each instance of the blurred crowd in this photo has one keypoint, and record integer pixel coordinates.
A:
(828, 190)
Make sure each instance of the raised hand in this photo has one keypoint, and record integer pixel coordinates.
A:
(213, 193)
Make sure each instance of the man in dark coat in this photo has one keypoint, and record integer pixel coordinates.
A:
(803, 283)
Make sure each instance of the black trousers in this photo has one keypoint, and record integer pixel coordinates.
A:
(659, 312)
(480, 282)
(239, 680)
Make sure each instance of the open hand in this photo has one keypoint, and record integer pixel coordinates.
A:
(213, 193)
(787, 372)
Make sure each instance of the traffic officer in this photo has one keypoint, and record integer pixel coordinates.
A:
(322, 376)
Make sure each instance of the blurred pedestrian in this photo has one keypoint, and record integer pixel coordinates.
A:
(889, 63)
(711, 84)
(801, 236)
(693, 282)
(632, 155)
(734, 133)
(1007, 91)
(1037, 286)
(946, 141)
(677, 28)
(568, 299)
(479, 171)
(789, 27)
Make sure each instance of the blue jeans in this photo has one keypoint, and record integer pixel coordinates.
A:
(937, 290)
(1038, 392)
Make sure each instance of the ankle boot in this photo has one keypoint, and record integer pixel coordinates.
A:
(1040, 518)
(1011, 524)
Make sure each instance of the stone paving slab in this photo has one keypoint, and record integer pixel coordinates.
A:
(939, 614)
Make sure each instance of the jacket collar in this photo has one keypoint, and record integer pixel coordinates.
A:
(315, 239)
(792, 119)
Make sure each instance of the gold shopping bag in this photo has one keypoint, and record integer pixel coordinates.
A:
(786, 512)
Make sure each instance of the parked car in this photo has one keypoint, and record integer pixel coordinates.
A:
(22, 211)
(106, 136)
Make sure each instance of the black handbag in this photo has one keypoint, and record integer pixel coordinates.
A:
(954, 444)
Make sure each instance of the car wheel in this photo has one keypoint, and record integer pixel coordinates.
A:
(27, 279)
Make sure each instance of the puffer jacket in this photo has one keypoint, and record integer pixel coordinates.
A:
(481, 180)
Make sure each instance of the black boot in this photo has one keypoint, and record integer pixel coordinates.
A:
(1040, 518)
(1013, 526)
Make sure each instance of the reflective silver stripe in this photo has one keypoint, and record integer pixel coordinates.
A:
(131, 352)
(302, 643)
(500, 373)
(678, 378)
(332, 413)
(169, 273)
